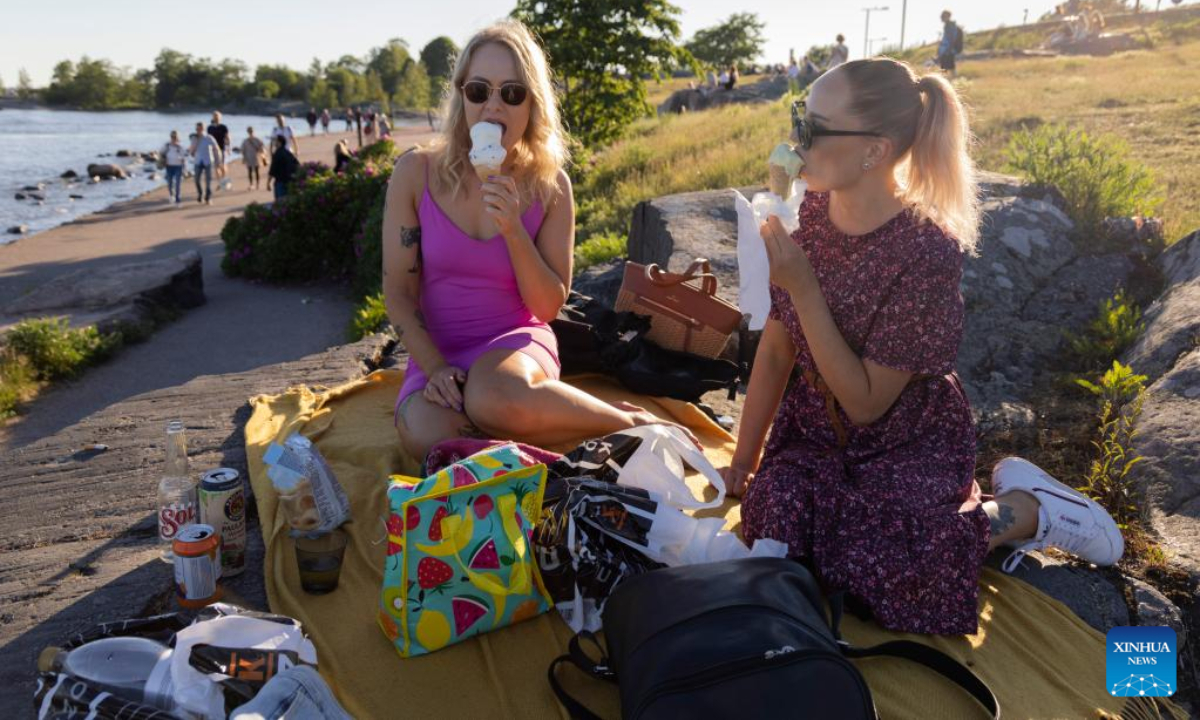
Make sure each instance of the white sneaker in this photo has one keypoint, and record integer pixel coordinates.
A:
(1067, 519)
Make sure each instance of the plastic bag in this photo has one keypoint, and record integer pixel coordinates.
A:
(257, 646)
(315, 503)
(754, 283)
(596, 531)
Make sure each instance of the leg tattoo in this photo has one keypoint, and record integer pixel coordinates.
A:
(1002, 519)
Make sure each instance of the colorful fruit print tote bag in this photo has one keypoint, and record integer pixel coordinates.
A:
(460, 557)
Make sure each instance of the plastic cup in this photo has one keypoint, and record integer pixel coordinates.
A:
(319, 558)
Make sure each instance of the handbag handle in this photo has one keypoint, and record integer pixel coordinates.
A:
(520, 580)
(698, 270)
(930, 657)
(577, 657)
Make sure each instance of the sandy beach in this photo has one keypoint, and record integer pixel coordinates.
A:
(244, 324)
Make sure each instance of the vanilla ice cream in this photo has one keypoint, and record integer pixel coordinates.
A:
(487, 153)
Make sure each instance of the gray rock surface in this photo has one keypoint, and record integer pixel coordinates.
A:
(79, 536)
(691, 100)
(137, 293)
(1153, 608)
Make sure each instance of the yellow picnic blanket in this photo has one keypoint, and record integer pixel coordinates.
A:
(1039, 658)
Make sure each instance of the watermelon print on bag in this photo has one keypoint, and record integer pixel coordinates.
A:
(460, 555)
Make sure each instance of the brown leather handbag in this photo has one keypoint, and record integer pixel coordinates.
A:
(685, 313)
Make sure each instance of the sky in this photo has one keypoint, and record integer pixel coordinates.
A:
(130, 33)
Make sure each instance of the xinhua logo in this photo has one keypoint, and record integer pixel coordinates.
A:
(1141, 661)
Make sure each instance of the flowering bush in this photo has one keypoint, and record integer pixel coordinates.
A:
(319, 231)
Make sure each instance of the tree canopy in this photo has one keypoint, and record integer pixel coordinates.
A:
(737, 41)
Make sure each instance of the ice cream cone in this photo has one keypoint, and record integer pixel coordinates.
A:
(483, 171)
(778, 180)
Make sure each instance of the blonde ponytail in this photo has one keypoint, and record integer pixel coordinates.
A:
(927, 123)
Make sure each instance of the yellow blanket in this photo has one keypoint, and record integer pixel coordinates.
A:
(1038, 657)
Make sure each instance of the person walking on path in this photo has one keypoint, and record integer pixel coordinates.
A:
(358, 125)
(283, 130)
(220, 133)
(950, 45)
(311, 117)
(349, 118)
(325, 120)
(205, 155)
(869, 470)
(838, 54)
(283, 166)
(174, 157)
(254, 155)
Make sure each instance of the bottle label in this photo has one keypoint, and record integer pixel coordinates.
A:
(173, 517)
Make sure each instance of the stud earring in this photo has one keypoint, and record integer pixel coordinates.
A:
(866, 166)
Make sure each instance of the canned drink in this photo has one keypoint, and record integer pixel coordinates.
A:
(197, 566)
(223, 505)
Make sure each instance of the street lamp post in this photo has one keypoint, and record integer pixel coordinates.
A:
(867, 30)
(875, 40)
(903, 18)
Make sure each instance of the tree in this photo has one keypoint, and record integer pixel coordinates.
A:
(388, 62)
(819, 54)
(24, 86)
(439, 56)
(737, 41)
(322, 95)
(374, 92)
(600, 51)
(413, 88)
(268, 89)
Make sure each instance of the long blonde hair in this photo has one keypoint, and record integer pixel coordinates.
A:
(541, 153)
(927, 123)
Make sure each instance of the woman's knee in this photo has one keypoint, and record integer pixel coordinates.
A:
(495, 406)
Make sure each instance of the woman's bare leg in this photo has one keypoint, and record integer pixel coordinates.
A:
(509, 396)
(1014, 517)
(422, 424)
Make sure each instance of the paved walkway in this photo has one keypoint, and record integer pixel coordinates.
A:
(244, 325)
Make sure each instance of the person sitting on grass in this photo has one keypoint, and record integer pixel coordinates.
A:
(474, 270)
(869, 472)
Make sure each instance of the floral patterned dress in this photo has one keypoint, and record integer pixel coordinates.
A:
(889, 512)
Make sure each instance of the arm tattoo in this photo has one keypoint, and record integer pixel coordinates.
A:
(411, 237)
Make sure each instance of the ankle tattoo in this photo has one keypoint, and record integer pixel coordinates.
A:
(1002, 519)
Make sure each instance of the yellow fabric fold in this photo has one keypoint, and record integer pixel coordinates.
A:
(1040, 659)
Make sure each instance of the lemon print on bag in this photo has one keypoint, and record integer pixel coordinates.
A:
(433, 630)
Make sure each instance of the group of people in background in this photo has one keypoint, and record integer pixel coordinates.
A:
(210, 150)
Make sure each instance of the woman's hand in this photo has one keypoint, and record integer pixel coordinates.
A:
(737, 479)
(502, 202)
(789, 264)
(444, 388)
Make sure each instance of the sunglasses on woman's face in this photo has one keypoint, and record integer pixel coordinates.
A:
(806, 130)
(478, 92)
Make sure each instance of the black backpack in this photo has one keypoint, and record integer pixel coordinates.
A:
(958, 39)
(739, 639)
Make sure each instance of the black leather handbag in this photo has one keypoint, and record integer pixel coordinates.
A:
(742, 639)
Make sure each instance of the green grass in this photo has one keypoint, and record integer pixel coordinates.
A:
(41, 350)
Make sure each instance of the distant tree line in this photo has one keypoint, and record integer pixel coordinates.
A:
(388, 76)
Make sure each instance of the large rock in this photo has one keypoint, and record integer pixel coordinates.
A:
(135, 293)
(694, 99)
(1168, 436)
(1088, 593)
(106, 171)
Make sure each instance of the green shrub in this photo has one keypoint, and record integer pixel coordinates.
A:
(327, 228)
(1116, 326)
(369, 317)
(16, 382)
(599, 249)
(56, 350)
(1108, 480)
(1096, 174)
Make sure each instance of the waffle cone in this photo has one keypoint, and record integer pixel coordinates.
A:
(483, 171)
(778, 180)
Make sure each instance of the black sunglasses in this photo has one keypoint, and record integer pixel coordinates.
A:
(478, 92)
(806, 130)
